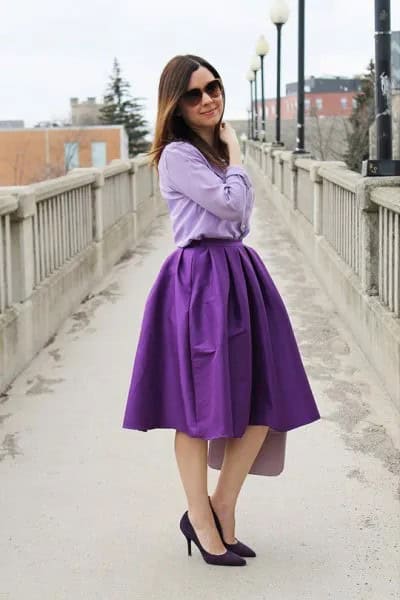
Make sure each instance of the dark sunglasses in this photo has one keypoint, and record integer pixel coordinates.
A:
(194, 96)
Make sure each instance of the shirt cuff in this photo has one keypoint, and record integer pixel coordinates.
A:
(238, 170)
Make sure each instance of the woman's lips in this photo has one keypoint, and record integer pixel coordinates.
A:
(210, 113)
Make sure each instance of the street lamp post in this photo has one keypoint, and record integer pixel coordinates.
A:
(279, 15)
(255, 66)
(262, 49)
(300, 83)
(383, 165)
(250, 78)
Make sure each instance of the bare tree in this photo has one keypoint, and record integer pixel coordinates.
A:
(327, 136)
(61, 159)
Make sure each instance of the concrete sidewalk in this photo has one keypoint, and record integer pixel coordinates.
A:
(90, 511)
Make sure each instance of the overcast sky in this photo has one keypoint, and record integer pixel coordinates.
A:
(51, 51)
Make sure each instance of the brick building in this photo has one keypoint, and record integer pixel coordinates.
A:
(30, 155)
(325, 96)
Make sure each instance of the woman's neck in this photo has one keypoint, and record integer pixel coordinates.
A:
(207, 135)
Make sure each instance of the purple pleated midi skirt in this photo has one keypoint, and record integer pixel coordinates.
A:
(217, 352)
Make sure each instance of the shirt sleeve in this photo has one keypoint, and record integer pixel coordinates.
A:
(189, 173)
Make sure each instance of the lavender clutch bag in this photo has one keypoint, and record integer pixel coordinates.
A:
(270, 459)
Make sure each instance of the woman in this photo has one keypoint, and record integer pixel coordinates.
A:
(216, 357)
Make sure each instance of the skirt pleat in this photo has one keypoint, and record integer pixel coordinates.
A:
(217, 352)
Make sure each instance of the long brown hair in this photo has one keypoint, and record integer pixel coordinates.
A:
(173, 83)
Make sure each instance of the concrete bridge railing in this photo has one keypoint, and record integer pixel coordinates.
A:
(349, 228)
(58, 238)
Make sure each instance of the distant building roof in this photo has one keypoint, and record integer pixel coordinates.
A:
(326, 84)
(12, 124)
(70, 128)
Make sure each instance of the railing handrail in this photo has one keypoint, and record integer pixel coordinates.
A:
(46, 223)
(349, 226)
(8, 204)
(387, 197)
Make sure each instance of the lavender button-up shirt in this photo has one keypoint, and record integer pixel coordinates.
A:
(203, 200)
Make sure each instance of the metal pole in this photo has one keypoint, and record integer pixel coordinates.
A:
(383, 165)
(252, 110)
(300, 84)
(278, 87)
(262, 99)
(255, 106)
(382, 80)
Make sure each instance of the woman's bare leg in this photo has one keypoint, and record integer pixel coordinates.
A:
(191, 456)
(238, 458)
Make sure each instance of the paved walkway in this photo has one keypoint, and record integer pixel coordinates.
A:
(90, 511)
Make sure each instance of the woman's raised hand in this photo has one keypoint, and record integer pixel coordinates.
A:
(228, 135)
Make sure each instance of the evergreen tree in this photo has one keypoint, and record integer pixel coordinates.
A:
(363, 115)
(120, 108)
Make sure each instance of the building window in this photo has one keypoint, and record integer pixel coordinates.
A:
(343, 102)
(99, 154)
(306, 103)
(318, 102)
(354, 103)
(71, 155)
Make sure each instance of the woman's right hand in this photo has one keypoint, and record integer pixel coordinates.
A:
(227, 134)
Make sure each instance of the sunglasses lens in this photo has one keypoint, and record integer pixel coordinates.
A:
(193, 97)
(213, 88)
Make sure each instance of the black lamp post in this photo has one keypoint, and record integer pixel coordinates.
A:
(262, 49)
(300, 83)
(383, 165)
(279, 15)
(255, 66)
(250, 78)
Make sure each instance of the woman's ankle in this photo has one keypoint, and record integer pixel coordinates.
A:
(223, 505)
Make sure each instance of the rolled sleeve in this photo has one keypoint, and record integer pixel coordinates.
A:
(189, 173)
(236, 170)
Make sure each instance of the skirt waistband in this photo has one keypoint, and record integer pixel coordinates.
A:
(216, 241)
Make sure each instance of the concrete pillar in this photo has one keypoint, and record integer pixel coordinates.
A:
(263, 159)
(277, 167)
(293, 181)
(22, 246)
(97, 206)
(132, 185)
(133, 198)
(272, 159)
(369, 238)
(280, 170)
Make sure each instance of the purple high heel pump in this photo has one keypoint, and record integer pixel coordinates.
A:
(227, 559)
(238, 547)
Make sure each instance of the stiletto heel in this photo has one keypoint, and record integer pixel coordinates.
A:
(238, 547)
(227, 559)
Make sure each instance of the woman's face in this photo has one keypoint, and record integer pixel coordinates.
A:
(195, 116)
